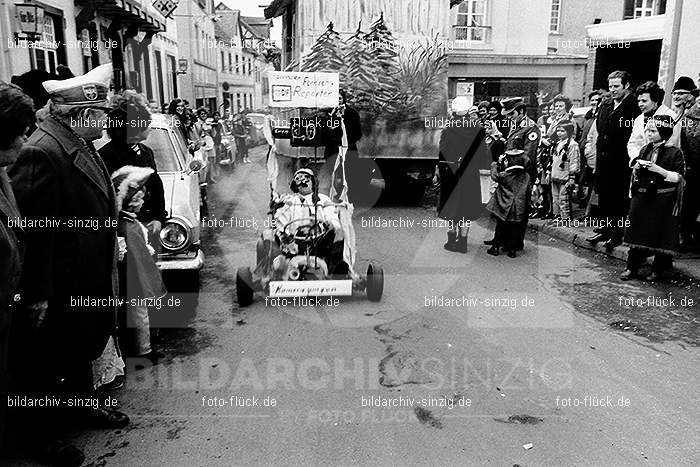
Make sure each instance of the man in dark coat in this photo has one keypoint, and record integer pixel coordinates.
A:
(16, 115)
(69, 275)
(614, 124)
(462, 153)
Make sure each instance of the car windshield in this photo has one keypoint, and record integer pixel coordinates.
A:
(163, 150)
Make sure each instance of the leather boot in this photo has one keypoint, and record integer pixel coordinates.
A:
(451, 244)
(461, 245)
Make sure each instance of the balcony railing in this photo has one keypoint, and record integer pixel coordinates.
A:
(472, 34)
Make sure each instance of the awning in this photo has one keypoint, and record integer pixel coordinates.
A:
(129, 12)
(629, 30)
(277, 8)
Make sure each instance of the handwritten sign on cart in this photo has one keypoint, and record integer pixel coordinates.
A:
(304, 89)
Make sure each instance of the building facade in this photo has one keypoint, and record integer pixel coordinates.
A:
(197, 45)
(240, 63)
(83, 34)
(660, 38)
(303, 21)
(503, 48)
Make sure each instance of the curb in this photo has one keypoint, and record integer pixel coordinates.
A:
(579, 239)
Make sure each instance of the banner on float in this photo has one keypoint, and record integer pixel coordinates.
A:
(304, 89)
(342, 287)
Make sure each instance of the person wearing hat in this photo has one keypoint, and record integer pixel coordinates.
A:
(525, 135)
(510, 201)
(69, 277)
(462, 151)
(686, 136)
(614, 126)
(16, 116)
(566, 163)
(657, 186)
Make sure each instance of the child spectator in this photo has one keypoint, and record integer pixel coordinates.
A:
(565, 168)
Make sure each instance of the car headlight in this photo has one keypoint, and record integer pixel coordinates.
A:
(175, 235)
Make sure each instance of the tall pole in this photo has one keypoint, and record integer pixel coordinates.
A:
(672, 50)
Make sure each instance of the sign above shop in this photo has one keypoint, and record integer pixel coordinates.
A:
(31, 19)
(182, 66)
(165, 7)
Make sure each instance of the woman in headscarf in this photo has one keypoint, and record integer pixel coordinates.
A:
(657, 193)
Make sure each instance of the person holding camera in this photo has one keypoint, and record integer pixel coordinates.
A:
(657, 191)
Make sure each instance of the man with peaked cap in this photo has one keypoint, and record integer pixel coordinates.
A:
(462, 152)
(69, 278)
(525, 135)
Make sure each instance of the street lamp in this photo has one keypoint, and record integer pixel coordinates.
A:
(31, 19)
(182, 65)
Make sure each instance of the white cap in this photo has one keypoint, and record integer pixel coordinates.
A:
(460, 105)
(90, 88)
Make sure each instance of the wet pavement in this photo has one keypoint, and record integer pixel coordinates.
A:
(545, 359)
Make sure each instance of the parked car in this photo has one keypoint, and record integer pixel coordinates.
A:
(180, 236)
(256, 128)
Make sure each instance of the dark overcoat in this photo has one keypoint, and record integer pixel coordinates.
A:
(59, 178)
(653, 217)
(613, 172)
(462, 153)
(10, 268)
(512, 196)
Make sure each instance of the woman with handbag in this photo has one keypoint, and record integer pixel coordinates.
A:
(657, 193)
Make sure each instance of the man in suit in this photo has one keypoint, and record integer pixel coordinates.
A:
(69, 280)
(16, 116)
(614, 125)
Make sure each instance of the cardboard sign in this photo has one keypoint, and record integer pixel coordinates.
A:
(311, 288)
(302, 89)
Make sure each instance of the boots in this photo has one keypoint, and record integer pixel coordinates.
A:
(461, 245)
(451, 244)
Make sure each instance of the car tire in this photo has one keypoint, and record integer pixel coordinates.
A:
(244, 287)
(375, 282)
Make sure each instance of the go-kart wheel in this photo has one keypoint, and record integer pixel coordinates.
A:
(375, 282)
(244, 286)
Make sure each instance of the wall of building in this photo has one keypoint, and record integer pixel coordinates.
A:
(687, 57)
(197, 44)
(575, 15)
(408, 20)
(16, 61)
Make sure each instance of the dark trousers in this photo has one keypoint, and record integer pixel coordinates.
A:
(691, 206)
(636, 258)
(508, 235)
